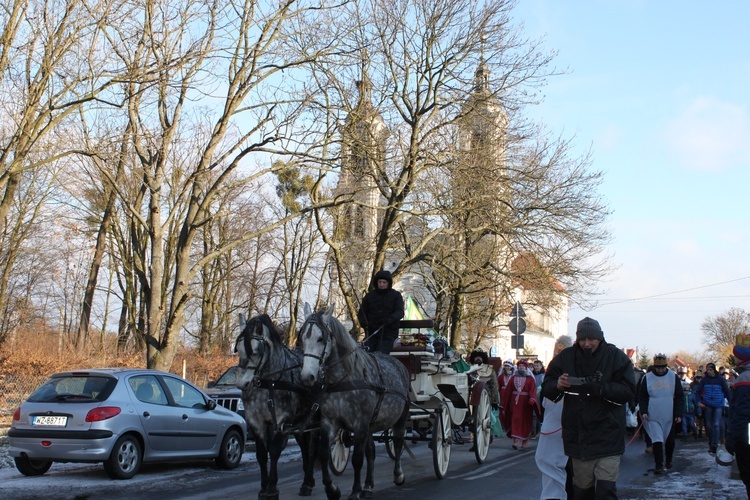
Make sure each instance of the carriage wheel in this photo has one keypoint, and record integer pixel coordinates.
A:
(441, 441)
(482, 427)
(339, 454)
(390, 447)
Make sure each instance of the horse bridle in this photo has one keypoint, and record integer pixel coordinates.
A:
(316, 319)
(247, 343)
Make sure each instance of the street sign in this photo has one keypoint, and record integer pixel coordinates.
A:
(517, 311)
(517, 325)
(516, 342)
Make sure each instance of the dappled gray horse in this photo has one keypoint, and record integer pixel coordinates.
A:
(276, 402)
(361, 393)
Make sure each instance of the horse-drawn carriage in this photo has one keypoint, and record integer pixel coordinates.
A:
(443, 401)
(350, 394)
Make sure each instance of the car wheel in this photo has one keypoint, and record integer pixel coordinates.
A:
(125, 459)
(231, 450)
(29, 467)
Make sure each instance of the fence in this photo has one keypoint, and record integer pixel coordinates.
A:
(15, 389)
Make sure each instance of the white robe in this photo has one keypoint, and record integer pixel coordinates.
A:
(660, 405)
(550, 456)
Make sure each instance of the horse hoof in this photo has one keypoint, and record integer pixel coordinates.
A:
(354, 496)
(305, 491)
(365, 494)
(265, 495)
(333, 493)
(399, 480)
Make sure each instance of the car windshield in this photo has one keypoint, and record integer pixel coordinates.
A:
(229, 377)
(74, 388)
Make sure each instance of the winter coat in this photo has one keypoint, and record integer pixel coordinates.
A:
(713, 391)
(593, 418)
(382, 309)
(688, 408)
(739, 412)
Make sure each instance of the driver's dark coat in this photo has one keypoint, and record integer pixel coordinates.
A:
(382, 310)
(593, 426)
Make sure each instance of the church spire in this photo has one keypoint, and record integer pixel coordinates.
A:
(364, 86)
(482, 75)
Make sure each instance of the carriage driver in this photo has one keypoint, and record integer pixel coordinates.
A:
(380, 313)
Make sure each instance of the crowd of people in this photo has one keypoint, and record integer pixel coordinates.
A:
(577, 407)
(580, 406)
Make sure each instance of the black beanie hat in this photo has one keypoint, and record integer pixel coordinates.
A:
(589, 328)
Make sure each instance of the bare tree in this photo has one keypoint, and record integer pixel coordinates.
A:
(29, 261)
(50, 66)
(236, 57)
(719, 331)
(465, 218)
(299, 247)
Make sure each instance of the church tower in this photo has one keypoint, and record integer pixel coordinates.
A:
(482, 139)
(358, 221)
(479, 196)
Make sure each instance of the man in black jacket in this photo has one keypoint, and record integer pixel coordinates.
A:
(380, 313)
(597, 381)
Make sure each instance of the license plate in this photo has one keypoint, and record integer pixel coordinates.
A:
(48, 420)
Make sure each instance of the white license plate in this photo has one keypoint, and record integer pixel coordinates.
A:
(47, 420)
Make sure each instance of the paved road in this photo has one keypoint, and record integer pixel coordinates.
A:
(507, 474)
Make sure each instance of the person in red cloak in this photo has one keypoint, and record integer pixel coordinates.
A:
(519, 402)
(505, 374)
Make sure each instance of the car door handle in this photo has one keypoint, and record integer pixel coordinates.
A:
(184, 417)
(146, 414)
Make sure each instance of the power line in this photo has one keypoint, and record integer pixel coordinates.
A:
(678, 291)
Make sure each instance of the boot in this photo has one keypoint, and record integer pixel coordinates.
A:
(584, 494)
(606, 490)
(659, 458)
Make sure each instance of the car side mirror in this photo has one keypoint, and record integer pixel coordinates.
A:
(211, 404)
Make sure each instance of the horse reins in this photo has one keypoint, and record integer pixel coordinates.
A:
(265, 381)
(343, 385)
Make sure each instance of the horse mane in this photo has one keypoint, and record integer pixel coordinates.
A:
(344, 344)
(274, 332)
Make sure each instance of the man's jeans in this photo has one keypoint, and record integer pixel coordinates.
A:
(712, 417)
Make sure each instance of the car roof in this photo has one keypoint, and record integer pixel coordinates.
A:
(110, 372)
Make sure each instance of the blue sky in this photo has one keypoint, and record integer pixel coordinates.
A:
(659, 91)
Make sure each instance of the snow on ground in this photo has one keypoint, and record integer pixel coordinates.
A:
(706, 480)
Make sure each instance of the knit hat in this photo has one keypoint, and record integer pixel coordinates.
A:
(508, 362)
(660, 360)
(589, 328)
(523, 363)
(741, 350)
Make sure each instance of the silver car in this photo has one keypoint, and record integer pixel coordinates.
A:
(123, 418)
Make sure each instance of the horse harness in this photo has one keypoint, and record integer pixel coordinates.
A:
(274, 384)
(346, 384)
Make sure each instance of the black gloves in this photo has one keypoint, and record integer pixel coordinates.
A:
(594, 385)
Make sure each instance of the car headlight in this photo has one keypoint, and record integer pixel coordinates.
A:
(240, 405)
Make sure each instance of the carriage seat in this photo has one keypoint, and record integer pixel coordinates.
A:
(413, 346)
(411, 341)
